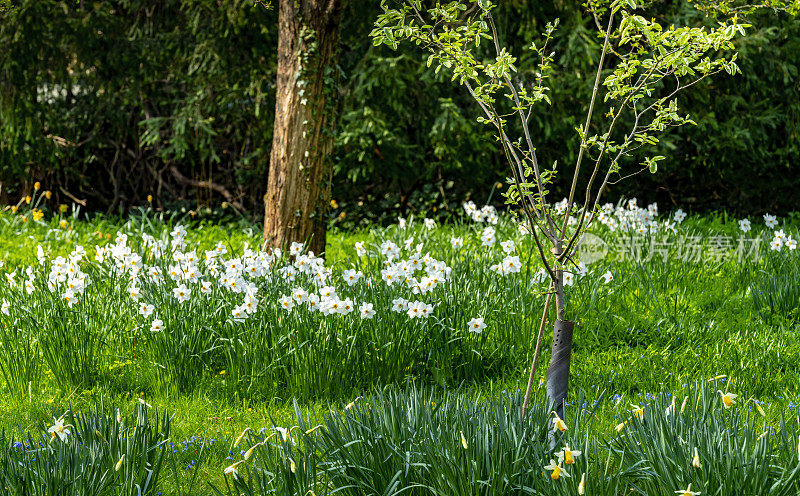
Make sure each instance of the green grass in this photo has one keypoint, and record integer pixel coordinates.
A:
(659, 327)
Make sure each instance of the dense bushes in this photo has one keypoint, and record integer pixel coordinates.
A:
(103, 99)
(115, 100)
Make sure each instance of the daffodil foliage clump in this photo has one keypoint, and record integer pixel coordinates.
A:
(98, 453)
(696, 442)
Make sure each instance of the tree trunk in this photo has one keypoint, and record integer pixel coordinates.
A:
(298, 190)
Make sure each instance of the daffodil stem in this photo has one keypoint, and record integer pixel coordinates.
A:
(538, 350)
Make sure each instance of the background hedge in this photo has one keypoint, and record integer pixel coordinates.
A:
(112, 101)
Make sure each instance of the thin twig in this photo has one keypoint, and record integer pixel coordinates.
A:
(538, 350)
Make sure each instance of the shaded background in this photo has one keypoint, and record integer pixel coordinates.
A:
(108, 102)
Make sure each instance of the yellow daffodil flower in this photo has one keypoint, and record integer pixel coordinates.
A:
(59, 429)
(687, 492)
(232, 469)
(568, 455)
(285, 434)
(638, 412)
(558, 423)
(557, 470)
(727, 398)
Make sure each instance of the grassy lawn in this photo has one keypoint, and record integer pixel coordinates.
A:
(688, 306)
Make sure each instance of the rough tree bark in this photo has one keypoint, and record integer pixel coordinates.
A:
(298, 191)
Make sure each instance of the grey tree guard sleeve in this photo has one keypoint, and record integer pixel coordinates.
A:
(558, 372)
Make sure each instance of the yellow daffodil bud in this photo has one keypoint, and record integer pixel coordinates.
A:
(313, 429)
(28, 199)
(14, 209)
(621, 426)
(463, 440)
(758, 408)
(670, 408)
(241, 436)
(582, 485)
(48, 194)
(696, 459)
(37, 186)
(683, 405)
(292, 466)
(119, 463)
(149, 198)
(119, 416)
(62, 208)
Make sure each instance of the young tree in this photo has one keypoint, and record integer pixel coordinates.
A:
(298, 190)
(641, 68)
